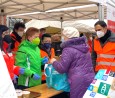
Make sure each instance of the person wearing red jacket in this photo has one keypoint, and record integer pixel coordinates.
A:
(5, 43)
(16, 36)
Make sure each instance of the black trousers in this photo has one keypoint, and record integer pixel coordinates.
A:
(22, 87)
(43, 81)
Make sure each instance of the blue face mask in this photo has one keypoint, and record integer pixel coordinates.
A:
(47, 45)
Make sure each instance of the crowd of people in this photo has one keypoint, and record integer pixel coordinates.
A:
(26, 53)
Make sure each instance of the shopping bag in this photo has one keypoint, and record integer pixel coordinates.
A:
(56, 80)
(103, 85)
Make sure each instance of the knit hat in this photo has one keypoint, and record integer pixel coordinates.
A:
(70, 32)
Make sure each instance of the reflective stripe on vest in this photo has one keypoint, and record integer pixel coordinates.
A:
(106, 55)
(106, 63)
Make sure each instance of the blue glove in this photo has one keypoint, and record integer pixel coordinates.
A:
(14, 78)
(36, 77)
(21, 71)
(45, 60)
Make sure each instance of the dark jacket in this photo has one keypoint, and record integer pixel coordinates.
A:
(57, 48)
(76, 62)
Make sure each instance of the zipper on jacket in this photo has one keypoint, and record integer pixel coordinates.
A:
(28, 78)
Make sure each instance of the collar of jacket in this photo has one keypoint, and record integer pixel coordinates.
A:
(105, 37)
(31, 44)
(112, 37)
(18, 38)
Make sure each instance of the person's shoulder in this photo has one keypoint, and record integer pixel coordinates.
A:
(23, 44)
(112, 34)
(12, 34)
(69, 49)
(23, 49)
(112, 37)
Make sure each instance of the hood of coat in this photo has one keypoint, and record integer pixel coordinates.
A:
(77, 43)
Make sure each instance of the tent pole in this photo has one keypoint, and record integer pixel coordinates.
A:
(61, 20)
(8, 22)
(3, 17)
(2, 20)
(100, 11)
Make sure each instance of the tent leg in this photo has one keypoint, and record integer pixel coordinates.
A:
(100, 11)
(8, 22)
(2, 19)
(61, 20)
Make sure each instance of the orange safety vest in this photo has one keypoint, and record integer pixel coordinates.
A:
(43, 54)
(16, 45)
(105, 55)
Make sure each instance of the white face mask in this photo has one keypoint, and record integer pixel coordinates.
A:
(20, 34)
(100, 34)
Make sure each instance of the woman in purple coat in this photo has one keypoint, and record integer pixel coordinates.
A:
(75, 61)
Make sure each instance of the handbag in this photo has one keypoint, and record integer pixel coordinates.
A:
(56, 80)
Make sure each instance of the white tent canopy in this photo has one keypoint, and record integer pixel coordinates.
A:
(81, 25)
(51, 26)
(43, 24)
(43, 9)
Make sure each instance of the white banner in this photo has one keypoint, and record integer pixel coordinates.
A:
(110, 12)
(111, 17)
(6, 86)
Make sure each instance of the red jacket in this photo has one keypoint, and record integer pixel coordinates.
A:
(9, 59)
(16, 40)
(90, 45)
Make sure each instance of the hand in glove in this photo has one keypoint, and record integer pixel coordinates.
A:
(45, 60)
(21, 71)
(14, 78)
(36, 76)
(52, 60)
